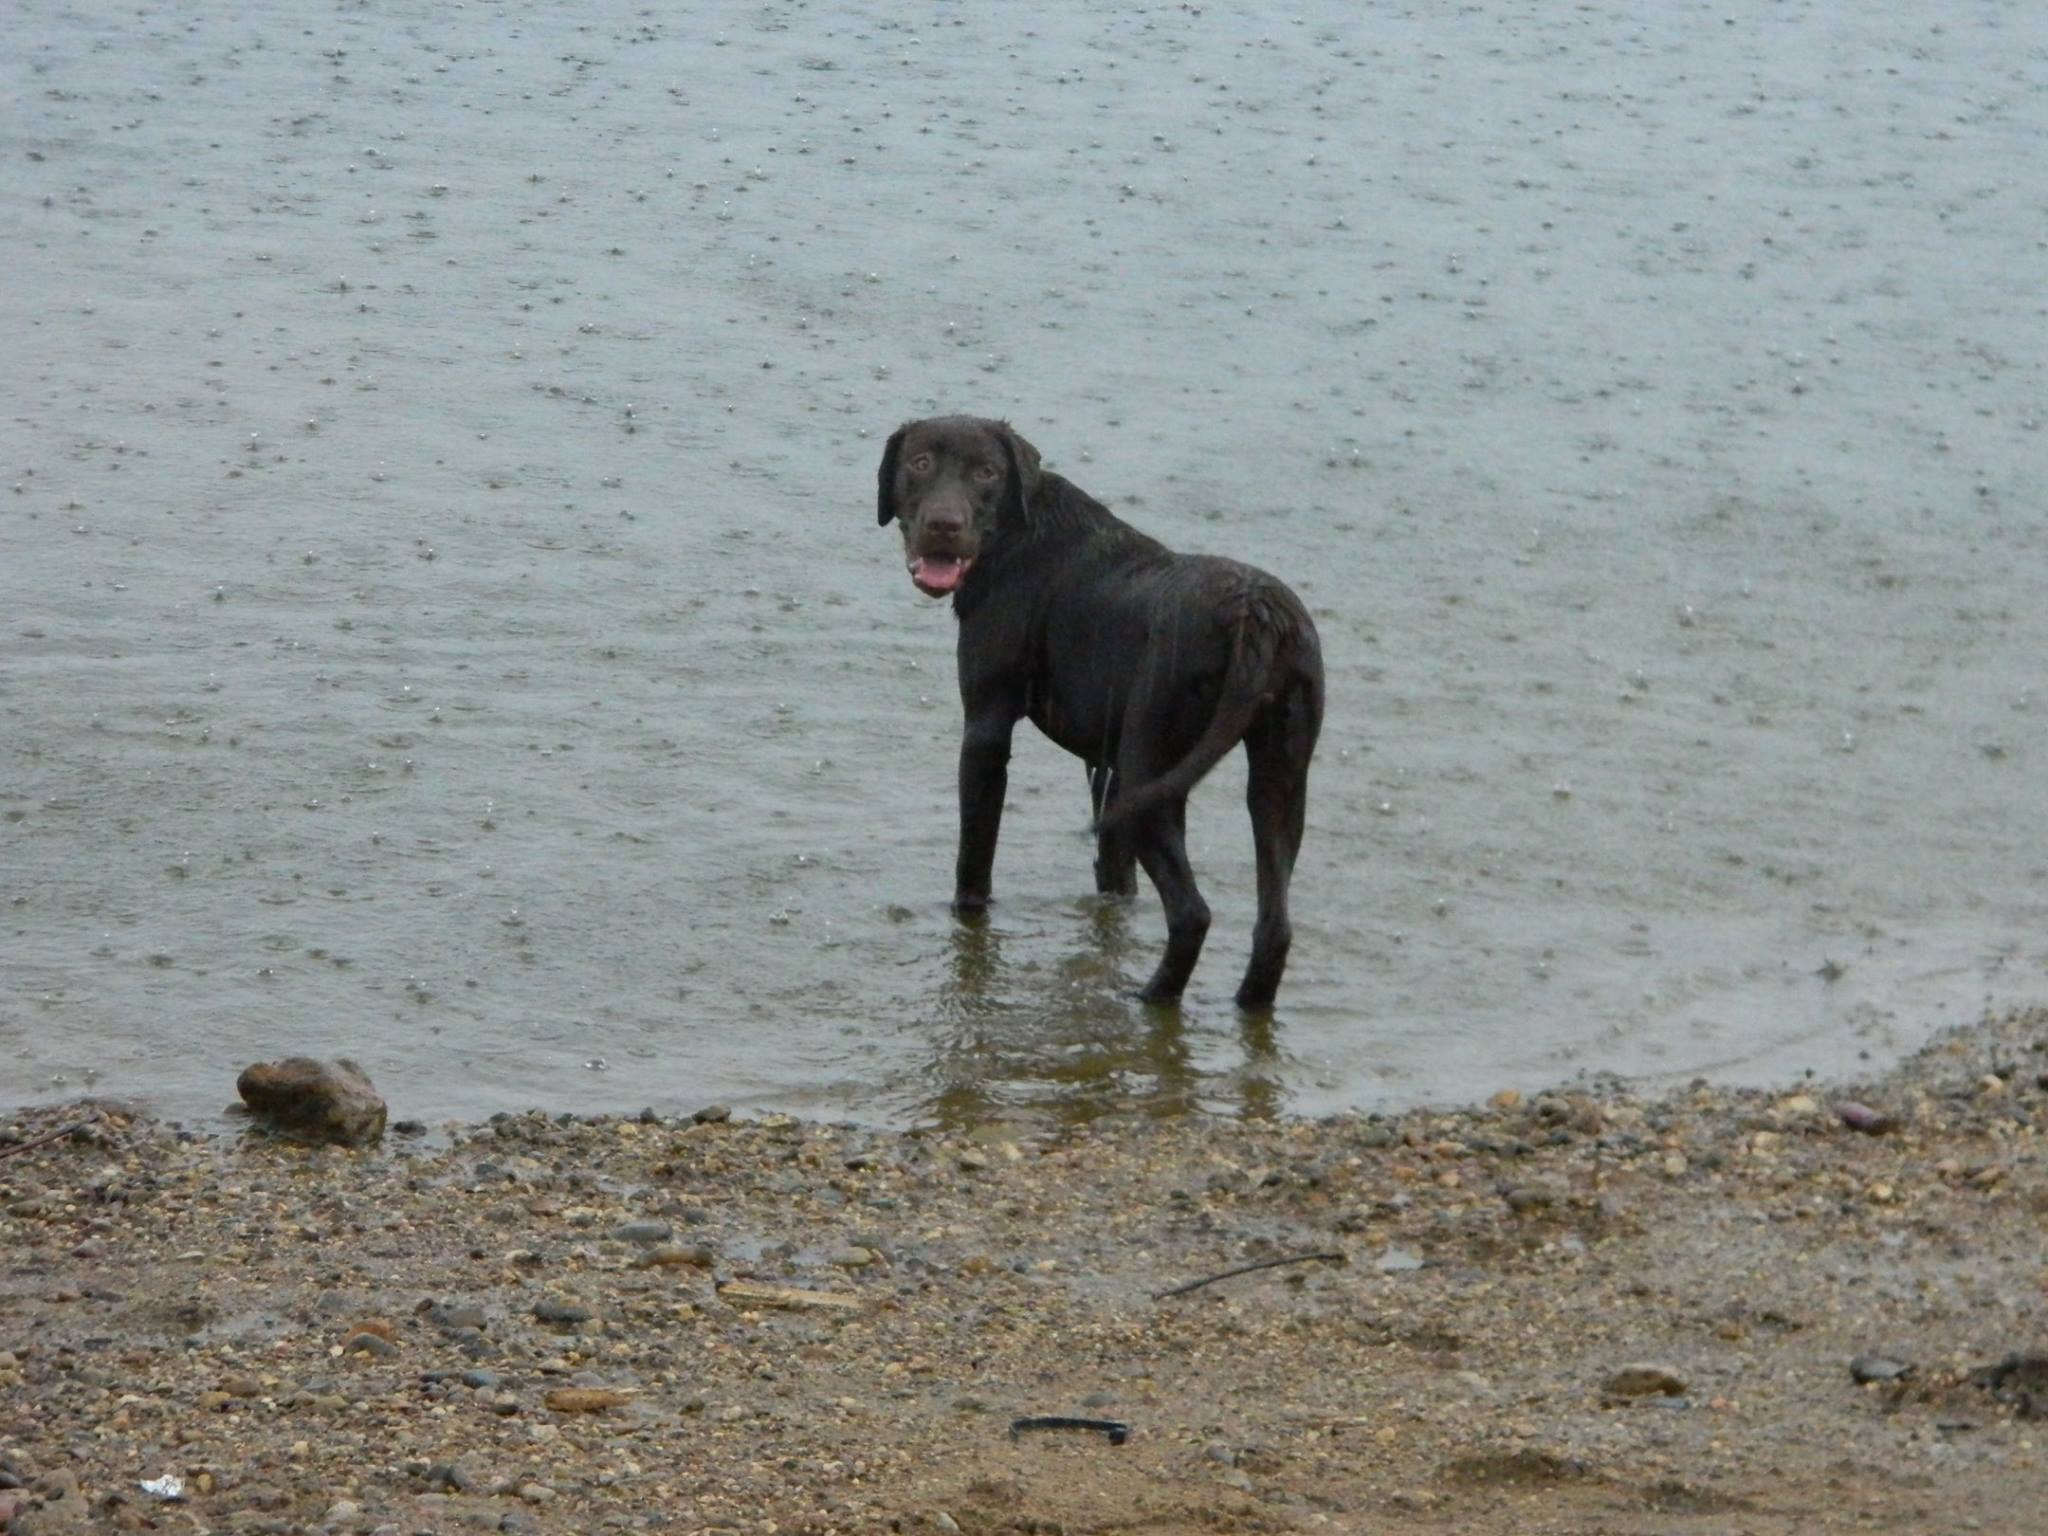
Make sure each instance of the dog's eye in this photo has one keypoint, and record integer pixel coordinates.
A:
(984, 472)
(921, 465)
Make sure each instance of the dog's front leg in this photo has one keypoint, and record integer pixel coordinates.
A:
(984, 779)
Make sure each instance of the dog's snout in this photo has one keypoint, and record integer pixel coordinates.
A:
(945, 522)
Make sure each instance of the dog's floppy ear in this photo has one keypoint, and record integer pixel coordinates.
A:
(1023, 469)
(885, 511)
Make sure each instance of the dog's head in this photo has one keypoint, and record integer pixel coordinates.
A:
(955, 484)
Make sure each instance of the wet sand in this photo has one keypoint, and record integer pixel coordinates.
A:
(1566, 1311)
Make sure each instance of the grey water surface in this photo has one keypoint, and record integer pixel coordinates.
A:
(443, 621)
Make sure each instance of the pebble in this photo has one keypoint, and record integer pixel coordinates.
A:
(584, 1399)
(1876, 1368)
(1861, 1117)
(643, 1232)
(713, 1114)
(672, 1255)
(557, 1309)
(1643, 1379)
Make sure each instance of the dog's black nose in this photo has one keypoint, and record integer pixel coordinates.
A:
(944, 524)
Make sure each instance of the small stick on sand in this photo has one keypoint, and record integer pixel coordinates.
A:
(43, 1141)
(755, 1293)
(1116, 1429)
(1245, 1269)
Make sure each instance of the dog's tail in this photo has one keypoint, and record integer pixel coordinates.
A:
(1254, 646)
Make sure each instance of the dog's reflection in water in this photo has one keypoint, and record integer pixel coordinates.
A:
(1070, 1043)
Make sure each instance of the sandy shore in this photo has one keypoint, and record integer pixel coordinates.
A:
(1578, 1310)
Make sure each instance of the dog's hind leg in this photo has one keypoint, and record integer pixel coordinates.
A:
(1116, 865)
(1162, 849)
(1278, 747)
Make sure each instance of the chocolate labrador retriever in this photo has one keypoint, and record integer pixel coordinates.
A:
(1147, 665)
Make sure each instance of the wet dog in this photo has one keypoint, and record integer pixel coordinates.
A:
(1147, 665)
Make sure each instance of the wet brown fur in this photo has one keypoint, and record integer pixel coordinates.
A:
(1148, 665)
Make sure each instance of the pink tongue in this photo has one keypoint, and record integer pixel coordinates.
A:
(938, 573)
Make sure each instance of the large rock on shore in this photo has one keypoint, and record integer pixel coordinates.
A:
(330, 1101)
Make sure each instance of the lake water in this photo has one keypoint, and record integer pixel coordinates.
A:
(443, 621)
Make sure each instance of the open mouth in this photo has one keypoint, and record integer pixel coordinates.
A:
(936, 575)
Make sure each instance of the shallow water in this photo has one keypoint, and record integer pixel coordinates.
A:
(443, 621)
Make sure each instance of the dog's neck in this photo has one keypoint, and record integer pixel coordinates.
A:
(1060, 513)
